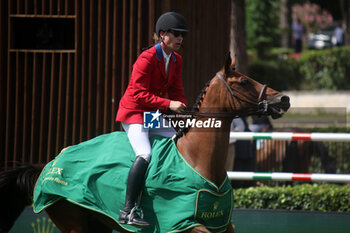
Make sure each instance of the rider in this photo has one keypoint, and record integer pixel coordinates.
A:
(155, 84)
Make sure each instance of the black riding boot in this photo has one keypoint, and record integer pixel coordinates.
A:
(134, 186)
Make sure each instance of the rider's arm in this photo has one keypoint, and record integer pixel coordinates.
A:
(143, 70)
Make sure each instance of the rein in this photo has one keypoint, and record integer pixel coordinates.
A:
(261, 103)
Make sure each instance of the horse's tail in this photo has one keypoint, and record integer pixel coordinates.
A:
(16, 192)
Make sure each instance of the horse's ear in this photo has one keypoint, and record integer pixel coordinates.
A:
(233, 64)
(228, 62)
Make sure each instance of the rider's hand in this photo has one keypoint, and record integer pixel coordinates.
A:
(177, 106)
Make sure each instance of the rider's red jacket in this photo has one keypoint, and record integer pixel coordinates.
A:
(149, 88)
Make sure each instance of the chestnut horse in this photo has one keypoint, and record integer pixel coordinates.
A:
(229, 94)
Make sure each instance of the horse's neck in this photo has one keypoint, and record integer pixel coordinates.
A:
(206, 150)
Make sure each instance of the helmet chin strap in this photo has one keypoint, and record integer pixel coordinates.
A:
(162, 37)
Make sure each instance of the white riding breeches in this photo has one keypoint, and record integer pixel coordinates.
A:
(139, 138)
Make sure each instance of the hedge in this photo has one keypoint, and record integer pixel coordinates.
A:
(278, 74)
(310, 197)
(326, 69)
(315, 70)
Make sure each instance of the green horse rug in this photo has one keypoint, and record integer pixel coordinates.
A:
(176, 197)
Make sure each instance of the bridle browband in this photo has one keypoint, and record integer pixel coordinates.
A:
(261, 103)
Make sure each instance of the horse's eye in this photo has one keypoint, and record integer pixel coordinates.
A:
(244, 83)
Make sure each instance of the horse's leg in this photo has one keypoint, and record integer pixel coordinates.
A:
(203, 229)
(67, 217)
(230, 229)
(199, 229)
(70, 218)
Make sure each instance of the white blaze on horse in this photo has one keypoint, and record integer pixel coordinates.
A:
(186, 189)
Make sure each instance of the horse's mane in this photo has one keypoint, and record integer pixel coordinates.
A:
(195, 108)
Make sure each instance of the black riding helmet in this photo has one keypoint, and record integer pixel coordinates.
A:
(171, 21)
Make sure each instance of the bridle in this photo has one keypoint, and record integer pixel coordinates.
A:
(261, 103)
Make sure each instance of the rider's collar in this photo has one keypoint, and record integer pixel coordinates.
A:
(159, 52)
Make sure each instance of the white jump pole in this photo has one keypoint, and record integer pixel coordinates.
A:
(290, 136)
(281, 176)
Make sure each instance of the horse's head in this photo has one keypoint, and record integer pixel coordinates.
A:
(249, 96)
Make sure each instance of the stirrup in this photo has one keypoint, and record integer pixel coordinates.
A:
(135, 220)
(135, 210)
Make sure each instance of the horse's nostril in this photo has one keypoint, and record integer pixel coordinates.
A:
(285, 99)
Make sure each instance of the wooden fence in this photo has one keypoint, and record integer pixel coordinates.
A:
(65, 64)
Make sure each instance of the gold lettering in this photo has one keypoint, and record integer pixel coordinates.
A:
(213, 214)
(48, 178)
(54, 170)
(56, 179)
(58, 170)
(61, 181)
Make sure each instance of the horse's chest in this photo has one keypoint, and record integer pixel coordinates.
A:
(214, 210)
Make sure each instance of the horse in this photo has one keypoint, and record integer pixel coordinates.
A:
(227, 95)
(292, 156)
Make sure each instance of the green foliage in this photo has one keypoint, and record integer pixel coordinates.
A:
(279, 74)
(315, 70)
(326, 69)
(262, 19)
(326, 197)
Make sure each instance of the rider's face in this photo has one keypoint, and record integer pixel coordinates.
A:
(171, 41)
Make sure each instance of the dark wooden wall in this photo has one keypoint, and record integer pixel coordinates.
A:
(63, 91)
